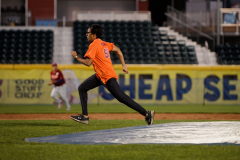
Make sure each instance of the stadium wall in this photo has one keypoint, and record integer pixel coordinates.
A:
(147, 84)
(43, 9)
(67, 7)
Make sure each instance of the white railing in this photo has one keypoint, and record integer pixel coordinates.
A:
(111, 16)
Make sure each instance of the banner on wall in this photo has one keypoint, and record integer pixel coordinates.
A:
(46, 22)
(151, 86)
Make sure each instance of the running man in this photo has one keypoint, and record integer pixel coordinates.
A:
(59, 87)
(98, 55)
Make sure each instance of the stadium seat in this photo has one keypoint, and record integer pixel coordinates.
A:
(163, 33)
(181, 43)
(168, 48)
(176, 54)
(177, 60)
(164, 38)
(191, 54)
(190, 48)
(171, 38)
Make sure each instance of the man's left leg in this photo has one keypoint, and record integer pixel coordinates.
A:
(117, 92)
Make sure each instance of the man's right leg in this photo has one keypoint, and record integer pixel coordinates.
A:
(88, 84)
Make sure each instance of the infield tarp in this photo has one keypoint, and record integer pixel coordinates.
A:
(219, 132)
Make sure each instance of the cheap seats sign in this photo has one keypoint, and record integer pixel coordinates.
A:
(178, 87)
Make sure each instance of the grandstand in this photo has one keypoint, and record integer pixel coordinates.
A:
(140, 39)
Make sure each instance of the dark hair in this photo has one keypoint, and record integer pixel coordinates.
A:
(96, 29)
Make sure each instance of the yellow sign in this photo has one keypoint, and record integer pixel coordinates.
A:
(146, 84)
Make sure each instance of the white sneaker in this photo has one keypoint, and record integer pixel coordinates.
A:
(68, 109)
(59, 105)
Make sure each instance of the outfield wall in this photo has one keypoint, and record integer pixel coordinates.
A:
(147, 84)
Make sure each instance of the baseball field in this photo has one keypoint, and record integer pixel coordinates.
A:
(23, 121)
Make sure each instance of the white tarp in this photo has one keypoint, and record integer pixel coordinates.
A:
(218, 132)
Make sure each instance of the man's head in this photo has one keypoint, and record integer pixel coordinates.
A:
(94, 32)
(54, 67)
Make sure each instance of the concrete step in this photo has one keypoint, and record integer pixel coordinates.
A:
(202, 53)
(61, 48)
(65, 34)
(63, 45)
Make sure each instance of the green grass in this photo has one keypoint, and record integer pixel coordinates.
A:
(13, 146)
(93, 108)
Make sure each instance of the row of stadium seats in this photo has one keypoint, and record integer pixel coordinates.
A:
(26, 47)
(227, 47)
(140, 42)
(26, 58)
(228, 54)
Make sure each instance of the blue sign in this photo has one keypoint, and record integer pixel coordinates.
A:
(50, 22)
(229, 18)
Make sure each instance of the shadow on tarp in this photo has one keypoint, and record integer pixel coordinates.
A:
(217, 132)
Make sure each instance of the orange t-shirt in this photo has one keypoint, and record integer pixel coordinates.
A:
(98, 52)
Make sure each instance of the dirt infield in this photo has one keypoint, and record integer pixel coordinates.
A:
(170, 116)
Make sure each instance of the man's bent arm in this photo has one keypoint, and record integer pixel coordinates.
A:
(120, 56)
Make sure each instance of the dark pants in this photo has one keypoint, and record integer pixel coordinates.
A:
(113, 87)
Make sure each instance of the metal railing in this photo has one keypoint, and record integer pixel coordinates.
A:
(198, 34)
(202, 21)
(189, 27)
